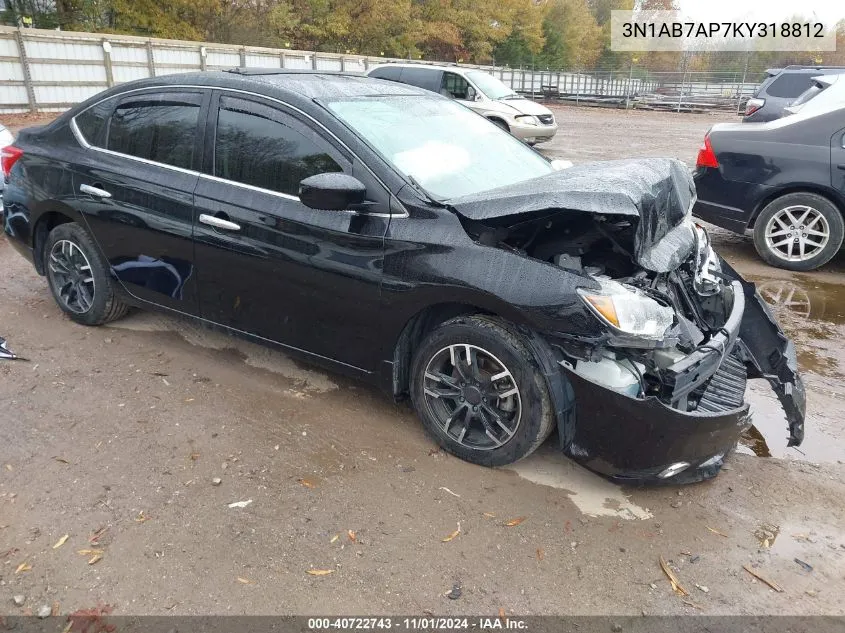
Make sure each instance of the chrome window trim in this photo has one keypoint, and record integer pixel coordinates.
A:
(77, 133)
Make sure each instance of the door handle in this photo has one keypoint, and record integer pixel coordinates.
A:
(219, 223)
(94, 191)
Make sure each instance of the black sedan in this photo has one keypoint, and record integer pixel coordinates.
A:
(396, 236)
(785, 180)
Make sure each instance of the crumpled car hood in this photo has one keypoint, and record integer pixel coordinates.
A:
(659, 191)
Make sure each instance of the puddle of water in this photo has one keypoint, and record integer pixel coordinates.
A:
(768, 436)
(252, 354)
(805, 297)
(593, 495)
(808, 543)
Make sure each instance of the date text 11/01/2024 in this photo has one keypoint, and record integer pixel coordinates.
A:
(485, 623)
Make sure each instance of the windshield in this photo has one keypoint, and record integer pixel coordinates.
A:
(489, 85)
(448, 149)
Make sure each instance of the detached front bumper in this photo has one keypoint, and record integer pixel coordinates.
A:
(647, 440)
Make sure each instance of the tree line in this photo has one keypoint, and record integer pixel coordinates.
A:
(555, 34)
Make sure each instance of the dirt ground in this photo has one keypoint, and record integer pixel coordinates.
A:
(111, 440)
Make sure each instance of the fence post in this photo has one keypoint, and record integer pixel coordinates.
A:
(683, 81)
(107, 62)
(242, 54)
(314, 60)
(203, 58)
(151, 62)
(629, 86)
(27, 76)
(282, 59)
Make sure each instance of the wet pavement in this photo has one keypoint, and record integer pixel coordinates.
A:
(116, 436)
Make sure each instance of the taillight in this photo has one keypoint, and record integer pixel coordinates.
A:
(752, 105)
(9, 155)
(706, 155)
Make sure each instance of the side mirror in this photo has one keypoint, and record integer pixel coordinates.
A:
(331, 191)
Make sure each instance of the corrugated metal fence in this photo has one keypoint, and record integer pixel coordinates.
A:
(48, 71)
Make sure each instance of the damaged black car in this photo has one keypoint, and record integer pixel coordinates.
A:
(393, 235)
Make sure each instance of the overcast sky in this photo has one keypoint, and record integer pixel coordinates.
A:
(828, 11)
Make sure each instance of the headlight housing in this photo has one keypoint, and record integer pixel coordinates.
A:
(527, 119)
(628, 310)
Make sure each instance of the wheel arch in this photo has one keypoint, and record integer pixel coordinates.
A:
(46, 222)
(499, 120)
(831, 195)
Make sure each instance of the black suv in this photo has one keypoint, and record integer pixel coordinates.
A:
(780, 88)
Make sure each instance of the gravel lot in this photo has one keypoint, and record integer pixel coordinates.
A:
(121, 432)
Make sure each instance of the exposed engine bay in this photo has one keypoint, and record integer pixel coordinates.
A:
(655, 320)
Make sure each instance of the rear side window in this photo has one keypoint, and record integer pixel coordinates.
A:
(789, 85)
(386, 72)
(425, 78)
(258, 145)
(161, 130)
(92, 123)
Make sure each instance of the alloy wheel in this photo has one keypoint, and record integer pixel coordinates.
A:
(473, 396)
(797, 233)
(71, 275)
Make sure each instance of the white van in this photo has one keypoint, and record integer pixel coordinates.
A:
(480, 91)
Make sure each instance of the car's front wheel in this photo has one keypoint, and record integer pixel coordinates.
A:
(799, 231)
(478, 390)
(79, 277)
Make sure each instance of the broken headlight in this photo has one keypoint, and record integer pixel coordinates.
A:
(628, 310)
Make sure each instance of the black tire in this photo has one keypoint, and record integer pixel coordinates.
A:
(496, 337)
(501, 124)
(829, 212)
(105, 305)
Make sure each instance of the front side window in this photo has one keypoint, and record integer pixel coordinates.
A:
(444, 146)
(455, 86)
(255, 147)
(160, 130)
(489, 85)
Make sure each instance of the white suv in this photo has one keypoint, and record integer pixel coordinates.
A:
(481, 92)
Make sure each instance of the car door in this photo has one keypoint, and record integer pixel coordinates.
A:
(267, 264)
(837, 160)
(135, 189)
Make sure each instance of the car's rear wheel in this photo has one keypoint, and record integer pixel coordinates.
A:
(78, 277)
(479, 391)
(799, 231)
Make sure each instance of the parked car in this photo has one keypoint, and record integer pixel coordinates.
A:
(781, 87)
(481, 92)
(391, 234)
(784, 180)
(6, 139)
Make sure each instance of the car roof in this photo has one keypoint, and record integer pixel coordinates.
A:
(450, 67)
(300, 88)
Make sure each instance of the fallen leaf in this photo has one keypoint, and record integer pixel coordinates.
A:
(676, 585)
(488, 515)
(334, 538)
(502, 615)
(717, 532)
(351, 536)
(453, 535)
(61, 541)
(514, 522)
(61, 460)
(320, 572)
(540, 553)
(141, 517)
(55, 610)
(89, 552)
(246, 581)
(307, 483)
(194, 456)
(96, 535)
(454, 494)
(762, 578)
(68, 627)
(24, 566)
(95, 559)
